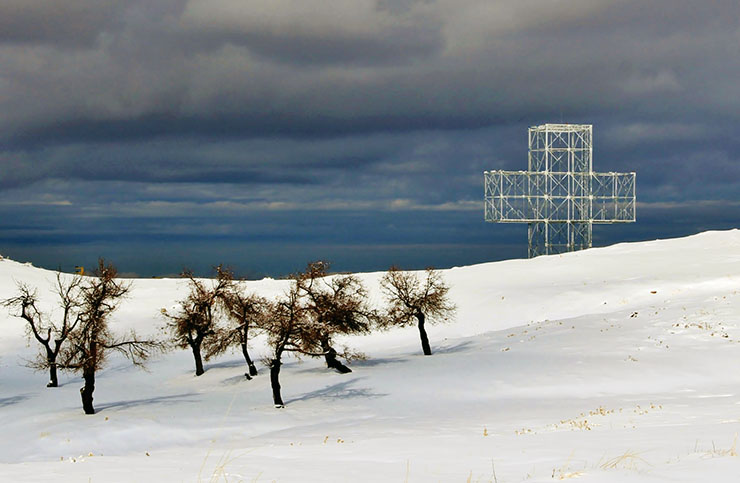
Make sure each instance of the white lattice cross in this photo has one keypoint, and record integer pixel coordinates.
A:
(560, 187)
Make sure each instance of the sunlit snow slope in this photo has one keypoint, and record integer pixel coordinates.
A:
(615, 364)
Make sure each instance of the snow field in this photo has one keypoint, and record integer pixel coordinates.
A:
(615, 364)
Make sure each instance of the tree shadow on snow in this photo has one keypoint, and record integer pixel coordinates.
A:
(225, 364)
(240, 362)
(453, 348)
(379, 361)
(9, 401)
(370, 362)
(233, 380)
(340, 390)
(166, 400)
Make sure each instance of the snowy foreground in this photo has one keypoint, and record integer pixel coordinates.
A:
(618, 364)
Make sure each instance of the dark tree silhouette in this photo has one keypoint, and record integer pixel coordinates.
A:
(51, 335)
(338, 306)
(195, 322)
(245, 313)
(91, 340)
(288, 330)
(410, 299)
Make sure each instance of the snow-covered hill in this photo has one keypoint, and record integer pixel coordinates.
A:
(613, 364)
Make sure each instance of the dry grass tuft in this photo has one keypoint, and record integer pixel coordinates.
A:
(626, 461)
(732, 451)
(559, 474)
(565, 472)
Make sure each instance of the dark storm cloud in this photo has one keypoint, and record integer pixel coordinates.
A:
(337, 69)
(68, 23)
(318, 32)
(289, 121)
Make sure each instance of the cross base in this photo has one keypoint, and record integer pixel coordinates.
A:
(550, 238)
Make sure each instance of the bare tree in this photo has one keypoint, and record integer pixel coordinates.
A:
(195, 322)
(338, 306)
(288, 330)
(91, 340)
(245, 313)
(51, 335)
(412, 299)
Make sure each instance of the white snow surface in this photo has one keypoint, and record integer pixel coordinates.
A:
(617, 364)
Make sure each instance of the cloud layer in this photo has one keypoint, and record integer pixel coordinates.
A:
(251, 113)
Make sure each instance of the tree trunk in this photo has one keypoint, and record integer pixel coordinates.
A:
(275, 382)
(198, 359)
(331, 358)
(250, 364)
(53, 381)
(87, 391)
(51, 359)
(423, 334)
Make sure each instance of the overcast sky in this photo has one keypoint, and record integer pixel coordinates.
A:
(266, 133)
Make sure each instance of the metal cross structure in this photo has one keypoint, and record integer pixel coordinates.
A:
(560, 195)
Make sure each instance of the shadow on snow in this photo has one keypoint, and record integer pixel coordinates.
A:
(225, 364)
(450, 349)
(172, 399)
(378, 361)
(340, 390)
(9, 401)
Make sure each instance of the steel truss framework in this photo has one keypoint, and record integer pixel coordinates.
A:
(560, 195)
